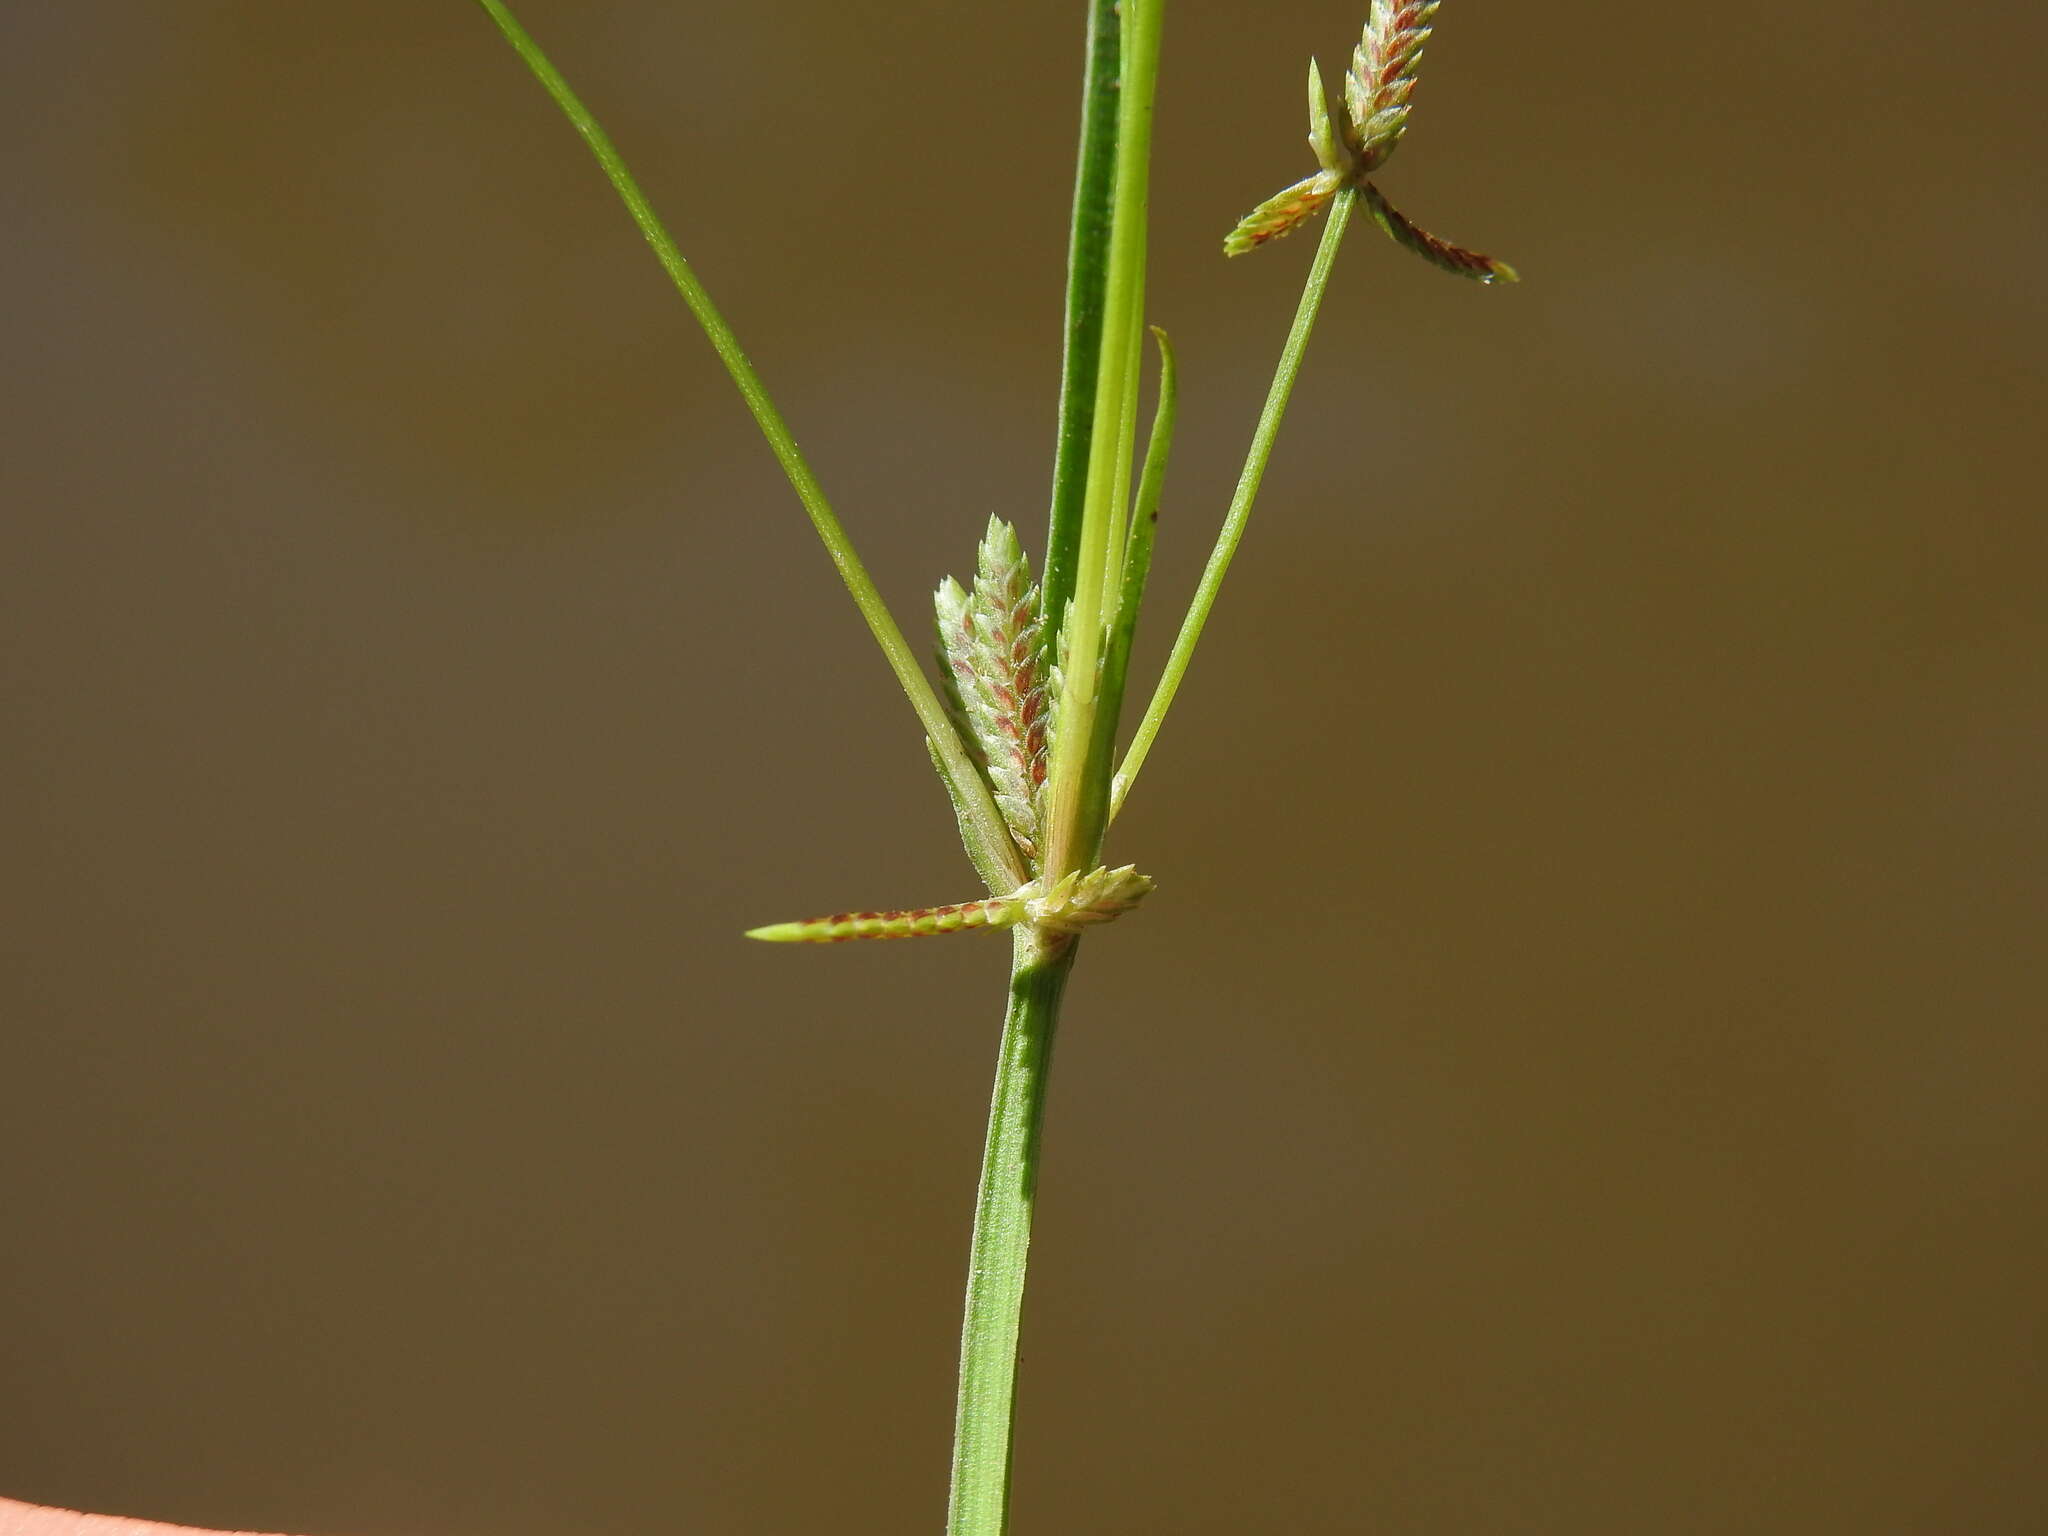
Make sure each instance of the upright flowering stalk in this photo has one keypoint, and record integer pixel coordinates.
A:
(1023, 727)
(1377, 89)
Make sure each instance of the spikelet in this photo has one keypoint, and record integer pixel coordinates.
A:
(1070, 904)
(1381, 79)
(1078, 901)
(990, 642)
(1283, 213)
(1438, 253)
(907, 923)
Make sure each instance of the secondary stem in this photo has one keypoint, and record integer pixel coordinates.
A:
(980, 1502)
(1241, 501)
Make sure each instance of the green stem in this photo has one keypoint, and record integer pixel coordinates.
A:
(1077, 807)
(1241, 502)
(980, 1503)
(962, 779)
(1120, 481)
(1087, 271)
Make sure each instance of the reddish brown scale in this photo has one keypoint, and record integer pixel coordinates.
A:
(1417, 238)
(1294, 216)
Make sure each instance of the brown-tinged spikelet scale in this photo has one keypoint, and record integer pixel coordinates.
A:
(1382, 78)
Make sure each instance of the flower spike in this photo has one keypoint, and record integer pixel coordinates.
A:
(1283, 213)
(991, 654)
(1376, 91)
(1382, 78)
(1071, 903)
(909, 923)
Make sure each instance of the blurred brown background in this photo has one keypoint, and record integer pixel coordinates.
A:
(1584, 1068)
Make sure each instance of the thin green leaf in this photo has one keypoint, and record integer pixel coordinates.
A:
(1077, 806)
(961, 777)
(1137, 562)
(988, 862)
(1087, 272)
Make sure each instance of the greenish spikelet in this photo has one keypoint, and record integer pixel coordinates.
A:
(1068, 905)
(1078, 901)
(1283, 212)
(990, 639)
(907, 923)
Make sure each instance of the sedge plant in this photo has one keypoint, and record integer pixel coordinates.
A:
(1022, 724)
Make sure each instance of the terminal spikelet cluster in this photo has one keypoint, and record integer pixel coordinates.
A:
(1000, 686)
(1377, 89)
